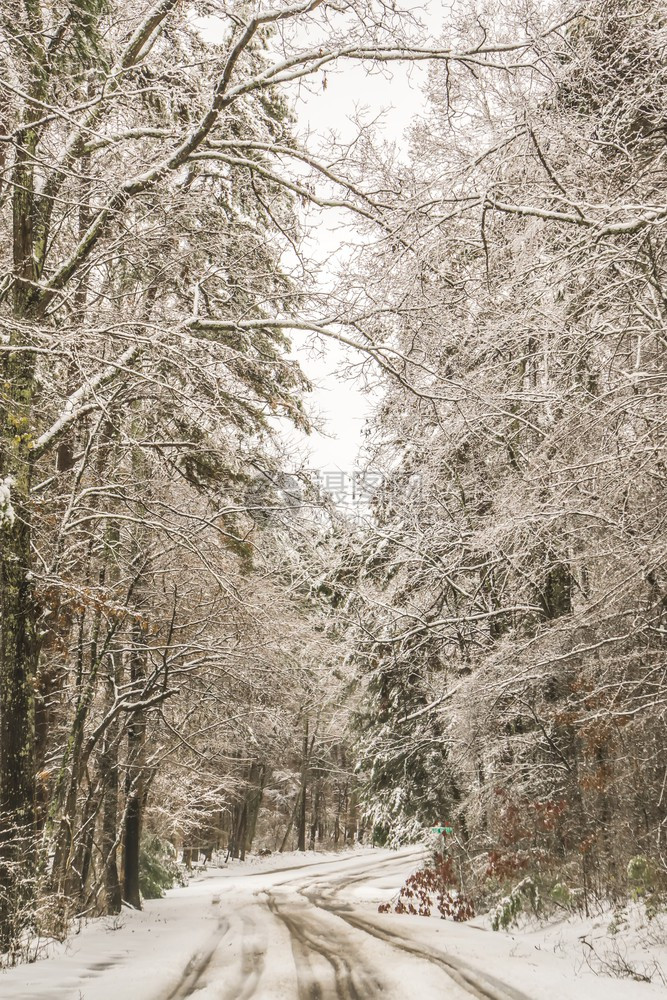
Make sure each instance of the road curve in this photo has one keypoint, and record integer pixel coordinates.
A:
(300, 934)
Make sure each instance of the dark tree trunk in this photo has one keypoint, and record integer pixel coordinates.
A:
(236, 848)
(243, 823)
(290, 822)
(132, 841)
(256, 782)
(135, 788)
(315, 822)
(108, 759)
(109, 775)
(301, 840)
(18, 655)
(135, 778)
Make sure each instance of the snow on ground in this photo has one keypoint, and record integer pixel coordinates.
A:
(133, 955)
(140, 955)
(565, 959)
(550, 962)
(272, 927)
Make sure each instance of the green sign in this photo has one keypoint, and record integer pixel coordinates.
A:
(442, 829)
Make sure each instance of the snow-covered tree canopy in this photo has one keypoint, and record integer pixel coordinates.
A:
(185, 627)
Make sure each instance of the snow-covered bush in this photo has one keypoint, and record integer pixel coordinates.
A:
(644, 884)
(510, 906)
(158, 870)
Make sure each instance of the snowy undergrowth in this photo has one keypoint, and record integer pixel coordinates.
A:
(621, 942)
(628, 942)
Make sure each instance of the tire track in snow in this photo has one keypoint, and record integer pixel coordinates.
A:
(243, 985)
(351, 980)
(478, 984)
(198, 964)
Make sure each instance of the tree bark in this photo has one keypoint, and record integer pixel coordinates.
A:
(132, 840)
(111, 785)
(135, 784)
(254, 795)
(301, 840)
(18, 633)
(18, 648)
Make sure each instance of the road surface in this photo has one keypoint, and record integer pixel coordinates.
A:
(300, 934)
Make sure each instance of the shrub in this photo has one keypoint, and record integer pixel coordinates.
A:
(645, 884)
(158, 870)
(433, 887)
(639, 873)
(510, 906)
(562, 895)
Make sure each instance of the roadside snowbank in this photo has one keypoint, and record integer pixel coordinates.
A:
(146, 950)
(611, 955)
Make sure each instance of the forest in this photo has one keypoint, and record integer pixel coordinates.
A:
(200, 650)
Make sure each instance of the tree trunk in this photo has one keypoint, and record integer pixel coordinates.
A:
(301, 840)
(315, 822)
(109, 776)
(290, 823)
(83, 857)
(108, 758)
(135, 785)
(63, 875)
(18, 649)
(132, 840)
(254, 794)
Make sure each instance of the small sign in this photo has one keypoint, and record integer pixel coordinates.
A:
(442, 829)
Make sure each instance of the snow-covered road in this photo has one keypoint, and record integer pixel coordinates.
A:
(297, 934)
(309, 931)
